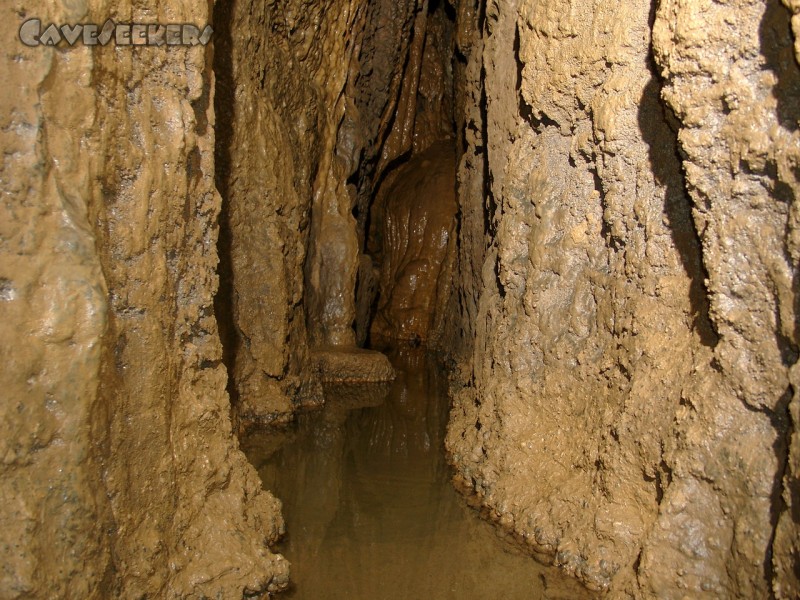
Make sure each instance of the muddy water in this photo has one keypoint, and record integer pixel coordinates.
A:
(369, 507)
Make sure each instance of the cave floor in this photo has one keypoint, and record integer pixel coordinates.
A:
(369, 506)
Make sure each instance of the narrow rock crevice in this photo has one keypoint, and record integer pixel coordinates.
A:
(588, 211)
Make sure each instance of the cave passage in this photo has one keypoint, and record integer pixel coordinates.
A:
(370, 508)
(588, 210)
(522, 196)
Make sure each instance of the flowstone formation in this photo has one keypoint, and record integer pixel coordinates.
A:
(120, 475)
(416, 208)
(306, 107)
(626, 337)
(614, 282)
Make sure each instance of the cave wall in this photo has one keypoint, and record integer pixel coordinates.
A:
(417, 247)
(624, 315)
(54, 312)
(736, 92)
(120, 476)
(624, 319)
(270, 119)
(306, 98)
(366, 84)
(406, 202)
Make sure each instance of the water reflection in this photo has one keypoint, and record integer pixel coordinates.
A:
(369, 508)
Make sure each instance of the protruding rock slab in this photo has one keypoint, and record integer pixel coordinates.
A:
(351, 364)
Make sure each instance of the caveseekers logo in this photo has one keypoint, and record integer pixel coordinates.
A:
(31, 33)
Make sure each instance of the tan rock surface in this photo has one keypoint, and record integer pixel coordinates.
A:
(268, 146)
(622, 326)
(622, 397)
(737, 96)
(349, 365)
(121, 476)
(54, 512)
(320, 81)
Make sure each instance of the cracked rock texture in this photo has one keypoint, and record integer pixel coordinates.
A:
(120, 475)
(625, 314)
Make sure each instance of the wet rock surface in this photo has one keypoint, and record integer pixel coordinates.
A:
(353, 364)
(626, 295)
(121, 477)
(618, 301)
(742, 90)
(323, 81)
(417, 243)
(53, 312)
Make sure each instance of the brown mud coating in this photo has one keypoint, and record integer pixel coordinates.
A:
(626, 395)
(417, 212)
(184, 229)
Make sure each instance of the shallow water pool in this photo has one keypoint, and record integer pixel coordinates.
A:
(370, 510)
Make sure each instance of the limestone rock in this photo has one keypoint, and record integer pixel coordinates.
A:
(418, 237)
(624, 320)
